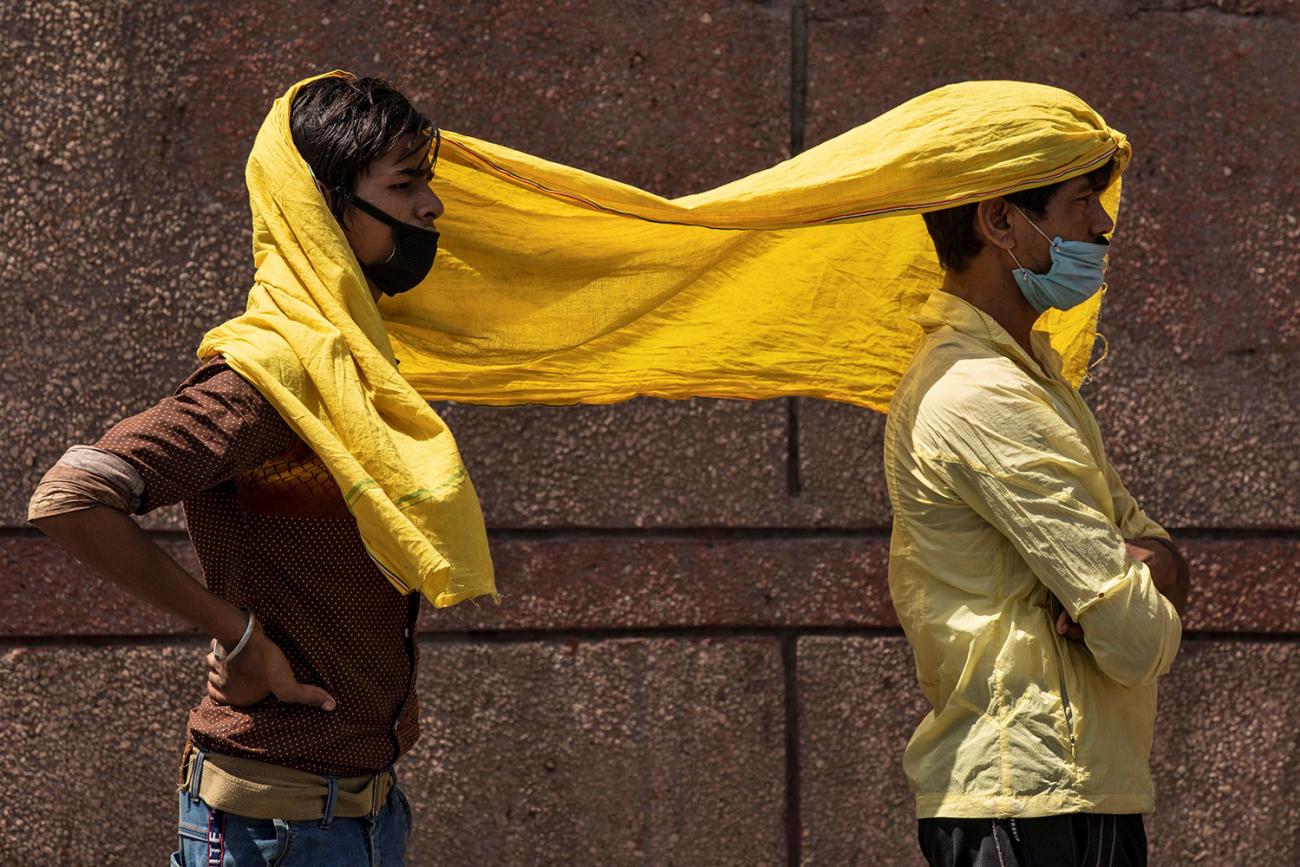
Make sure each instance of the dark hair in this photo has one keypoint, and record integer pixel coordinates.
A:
(342, 125)
(953, 229)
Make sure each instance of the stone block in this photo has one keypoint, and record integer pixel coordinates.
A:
(91, 740)
(48, 593)
(686, 582)
(858, 705)
(841, 468)
(1226, 756)
(1241, 585)
(613, 752)
(642, 463)
(119, 261)
(551, 583)
(1195, 397)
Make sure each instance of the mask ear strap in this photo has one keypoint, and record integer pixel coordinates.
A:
(370, 209)
(1030, 222)
(1105, 350)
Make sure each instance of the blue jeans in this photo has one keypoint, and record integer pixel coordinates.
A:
(211, 838)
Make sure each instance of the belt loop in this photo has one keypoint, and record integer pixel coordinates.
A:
(330, 800)
(376, 804)
(196, 772)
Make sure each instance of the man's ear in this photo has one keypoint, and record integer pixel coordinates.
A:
(993, 223)
(329, 200)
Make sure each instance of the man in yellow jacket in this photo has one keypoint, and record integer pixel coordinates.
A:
(1041, 603)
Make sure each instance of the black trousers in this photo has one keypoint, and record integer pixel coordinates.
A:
(1073, 840)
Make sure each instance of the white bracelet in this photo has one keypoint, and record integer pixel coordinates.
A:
(221, 655)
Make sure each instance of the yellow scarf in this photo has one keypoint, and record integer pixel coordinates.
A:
(557, 286)
(313, 343)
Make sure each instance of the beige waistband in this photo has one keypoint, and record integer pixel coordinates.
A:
(261, 790)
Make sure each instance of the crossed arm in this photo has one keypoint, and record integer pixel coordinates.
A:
(1012, 456)
(1169, 572)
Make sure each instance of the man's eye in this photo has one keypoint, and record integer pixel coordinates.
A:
(403, 185)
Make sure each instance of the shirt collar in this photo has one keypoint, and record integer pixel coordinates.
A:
(943, 308)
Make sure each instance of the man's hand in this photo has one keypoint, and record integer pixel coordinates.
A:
(1067, 627)
(1169, 569)
(1163, 566)
(259, 670)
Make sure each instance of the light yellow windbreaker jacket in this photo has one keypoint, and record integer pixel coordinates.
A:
(1002, 499)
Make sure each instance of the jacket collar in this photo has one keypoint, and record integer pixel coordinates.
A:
(943, 309)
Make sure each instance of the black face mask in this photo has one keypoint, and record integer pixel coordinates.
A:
(412, 256)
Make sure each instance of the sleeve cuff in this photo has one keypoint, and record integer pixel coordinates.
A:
(1105, 590)
(86, 476)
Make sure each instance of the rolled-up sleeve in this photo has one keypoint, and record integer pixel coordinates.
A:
(215, 426)
(84, 477)
(1010, 457)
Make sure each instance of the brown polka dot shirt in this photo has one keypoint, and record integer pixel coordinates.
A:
(272, 534)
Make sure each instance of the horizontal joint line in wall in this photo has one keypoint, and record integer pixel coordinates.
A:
(523, 636)
(495, 636)
(560, 534)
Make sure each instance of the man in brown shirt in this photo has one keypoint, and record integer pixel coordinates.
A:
(311, 689)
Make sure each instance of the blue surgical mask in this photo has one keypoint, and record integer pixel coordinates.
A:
(1077, 272)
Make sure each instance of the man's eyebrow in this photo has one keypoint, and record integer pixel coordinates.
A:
(420, 171)
(425, 168)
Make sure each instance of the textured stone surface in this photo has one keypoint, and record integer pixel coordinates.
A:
(127, 127)
(841, 467)
(858, 705)
(662, 581)
(600, 583)
(89, 737)
(675, 97)
(681, 582)
(1197, 396)
(624, 752)
(1244, 585)
(613, 752)
(1225, 754)
(118, 262)
(639, 464)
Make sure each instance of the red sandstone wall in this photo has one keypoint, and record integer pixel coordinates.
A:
(697, 662)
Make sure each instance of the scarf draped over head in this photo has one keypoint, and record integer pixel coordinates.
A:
(313, 343)
(552, 285)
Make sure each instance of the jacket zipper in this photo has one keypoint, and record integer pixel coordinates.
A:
(1060, 678)
(1065, 702)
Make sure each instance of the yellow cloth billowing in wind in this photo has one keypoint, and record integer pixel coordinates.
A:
(556, 286)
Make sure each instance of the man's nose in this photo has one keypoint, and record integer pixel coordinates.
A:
(1102, 224)
(430, 208)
